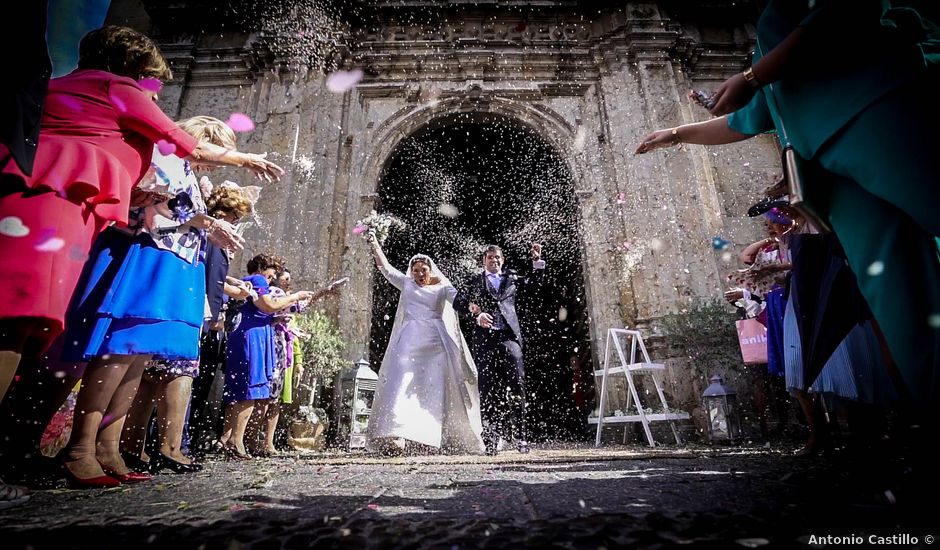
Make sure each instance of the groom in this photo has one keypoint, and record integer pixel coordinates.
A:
(490, 299)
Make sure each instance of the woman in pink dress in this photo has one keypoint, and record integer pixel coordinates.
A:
(99, 127)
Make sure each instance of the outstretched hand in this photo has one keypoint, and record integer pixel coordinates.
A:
(265, 169)
(656, 140)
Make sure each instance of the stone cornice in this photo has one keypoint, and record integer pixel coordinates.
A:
(553, 47)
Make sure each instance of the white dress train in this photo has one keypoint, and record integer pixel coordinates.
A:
(427, 391)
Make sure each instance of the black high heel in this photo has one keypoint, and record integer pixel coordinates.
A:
(135, 463)
(160, 461)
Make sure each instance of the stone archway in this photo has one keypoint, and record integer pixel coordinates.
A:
(472, 178)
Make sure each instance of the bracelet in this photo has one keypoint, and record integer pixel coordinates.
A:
(750, 78)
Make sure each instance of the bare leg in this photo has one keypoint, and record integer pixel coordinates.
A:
(101, 380)
(9, 360)
(134, 436)
(818, 433)
(108, 448)
(255, 428)
(171, 413)
(236, 420)
(271, 418)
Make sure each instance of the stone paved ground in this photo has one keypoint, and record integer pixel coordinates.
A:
(574, 497)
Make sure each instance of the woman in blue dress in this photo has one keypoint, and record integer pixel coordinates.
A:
(250, 352)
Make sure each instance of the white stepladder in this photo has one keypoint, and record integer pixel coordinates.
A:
(628, 369)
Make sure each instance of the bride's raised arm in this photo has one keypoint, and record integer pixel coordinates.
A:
(397, 278)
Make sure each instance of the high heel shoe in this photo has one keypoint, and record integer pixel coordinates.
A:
(159, 461)
(135, 463)
(232, 453)
(100, 482)
(129, 477)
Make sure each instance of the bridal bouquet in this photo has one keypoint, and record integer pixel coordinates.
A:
(379, 224)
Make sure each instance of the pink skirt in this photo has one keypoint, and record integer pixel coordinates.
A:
(44, 242)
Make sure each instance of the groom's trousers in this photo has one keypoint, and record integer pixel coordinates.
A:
(502, 385)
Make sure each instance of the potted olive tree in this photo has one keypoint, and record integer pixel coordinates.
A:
(320, 358)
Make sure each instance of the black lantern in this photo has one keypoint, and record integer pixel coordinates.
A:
(721, 412)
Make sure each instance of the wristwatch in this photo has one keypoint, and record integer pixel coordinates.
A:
(750, 78)
(675, 136)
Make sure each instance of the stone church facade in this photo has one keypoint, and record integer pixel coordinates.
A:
(590, 78)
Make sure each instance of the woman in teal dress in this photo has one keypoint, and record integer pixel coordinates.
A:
(851, 84)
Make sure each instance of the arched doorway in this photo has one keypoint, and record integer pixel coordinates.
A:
(471, 179)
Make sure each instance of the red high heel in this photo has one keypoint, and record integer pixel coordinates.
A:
(129, 477)
(100, 482)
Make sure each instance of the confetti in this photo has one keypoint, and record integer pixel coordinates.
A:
(719, 243)
(580, 138)
(359, 230)
(621, 198)
(51, 245)
(562, 313)
(11, 226)
(151, 84)
(77, 253)
(876, 268)
(342, 81)
(240, 122)
(166, 148)
(448, 210)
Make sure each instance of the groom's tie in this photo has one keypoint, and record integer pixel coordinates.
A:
(495, 279)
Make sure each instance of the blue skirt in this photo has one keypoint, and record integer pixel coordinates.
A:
(776, 305)
(250, 359)
(134, 298)
(855, 370)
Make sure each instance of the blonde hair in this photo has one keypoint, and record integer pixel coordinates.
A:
(123, 51)
(209, 129)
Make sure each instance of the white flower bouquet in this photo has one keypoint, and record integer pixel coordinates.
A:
(379, 225)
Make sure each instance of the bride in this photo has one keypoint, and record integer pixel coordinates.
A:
(427, 392)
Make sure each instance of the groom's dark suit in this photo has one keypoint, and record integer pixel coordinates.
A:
(498, 351)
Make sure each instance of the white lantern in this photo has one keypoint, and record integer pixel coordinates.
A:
(353, 404)
(721, 412)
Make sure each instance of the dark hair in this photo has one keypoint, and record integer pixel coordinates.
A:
(262, 262)
(124, 52)
(426, 260)
(491, 248)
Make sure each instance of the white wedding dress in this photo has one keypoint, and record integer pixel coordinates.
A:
(427, 390)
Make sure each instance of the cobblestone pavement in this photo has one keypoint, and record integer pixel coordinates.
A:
(574, 497)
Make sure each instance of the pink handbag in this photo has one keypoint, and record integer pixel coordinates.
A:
(752, 337)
